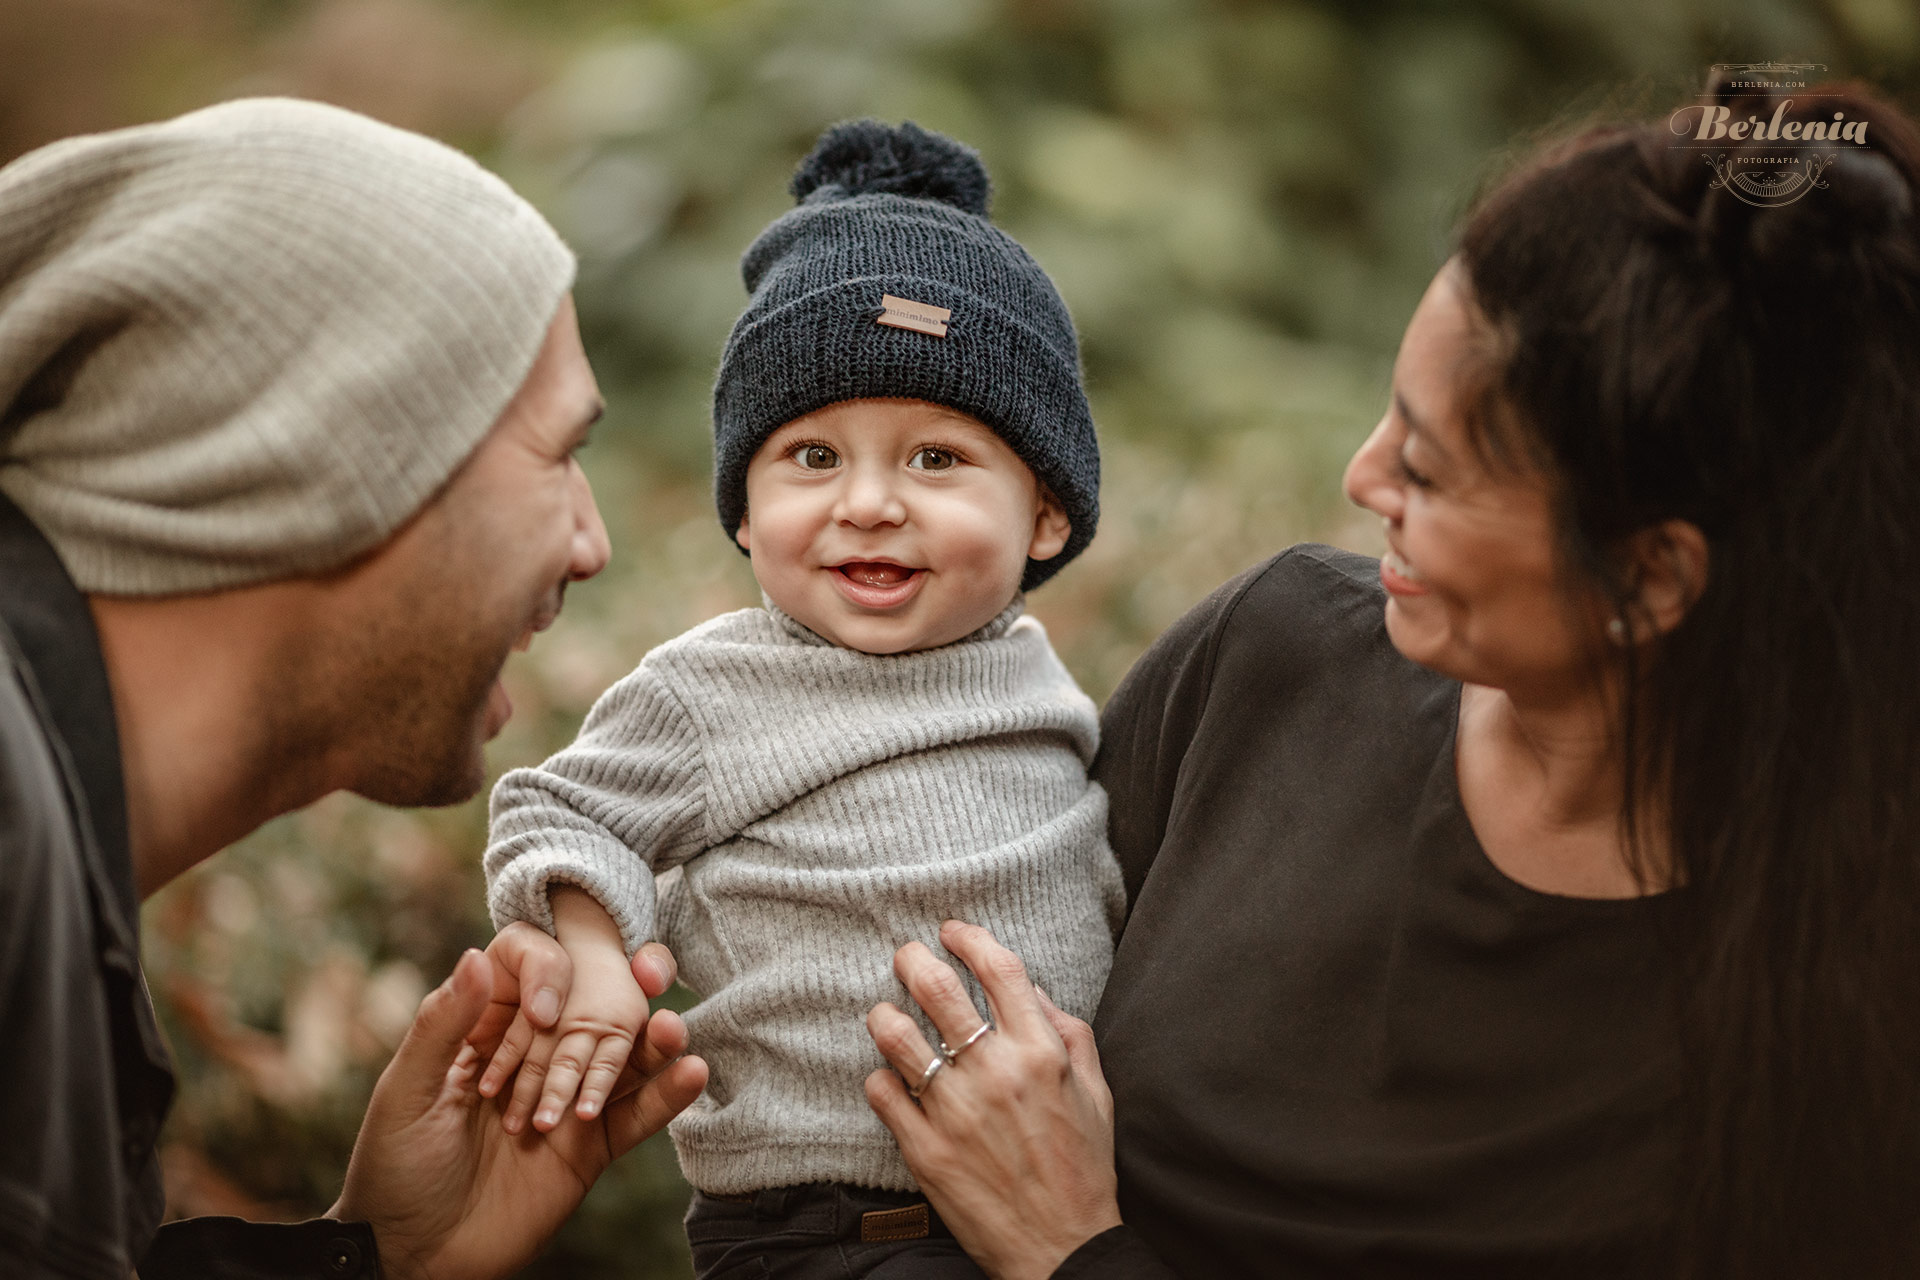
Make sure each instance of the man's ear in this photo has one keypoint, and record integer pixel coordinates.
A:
(1051, 528)
(1669, 565)
(740, 534)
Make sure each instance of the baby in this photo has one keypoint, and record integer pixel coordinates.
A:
(902, 446)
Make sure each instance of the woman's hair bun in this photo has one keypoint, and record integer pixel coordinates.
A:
(1869, 182)
(1862, 197)
(903, 160)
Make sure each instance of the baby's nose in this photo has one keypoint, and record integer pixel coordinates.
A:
(870, 497)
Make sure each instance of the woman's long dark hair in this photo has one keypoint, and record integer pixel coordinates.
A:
(1669, 350)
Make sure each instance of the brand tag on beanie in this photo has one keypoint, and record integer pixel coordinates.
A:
(921, 317)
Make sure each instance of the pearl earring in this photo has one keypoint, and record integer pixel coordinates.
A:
(1617, 630)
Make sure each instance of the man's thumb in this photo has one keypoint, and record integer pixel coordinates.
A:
(440, 1027)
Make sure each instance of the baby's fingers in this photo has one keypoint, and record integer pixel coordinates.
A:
(609, 1059)
(529, 1083)
(564, 1073)
(506, 1059)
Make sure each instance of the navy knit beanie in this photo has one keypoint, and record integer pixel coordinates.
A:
(901, 214)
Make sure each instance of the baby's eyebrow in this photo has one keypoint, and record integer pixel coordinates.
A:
(964, 419)
(785, 431)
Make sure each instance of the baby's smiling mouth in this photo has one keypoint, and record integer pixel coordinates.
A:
(875, 573)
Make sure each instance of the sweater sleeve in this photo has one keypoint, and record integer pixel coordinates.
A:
(626, 800)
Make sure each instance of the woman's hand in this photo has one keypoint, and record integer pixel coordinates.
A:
(1012, 1140)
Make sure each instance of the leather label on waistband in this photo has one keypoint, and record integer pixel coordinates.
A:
(910, 1223)
(921, 317)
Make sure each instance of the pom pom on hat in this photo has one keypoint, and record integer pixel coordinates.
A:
(863, 156)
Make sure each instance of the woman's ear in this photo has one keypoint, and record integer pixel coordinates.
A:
(1669, 571)
(1051, 528)
(740, 534)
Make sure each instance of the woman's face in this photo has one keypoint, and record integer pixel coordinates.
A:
(1474, 589)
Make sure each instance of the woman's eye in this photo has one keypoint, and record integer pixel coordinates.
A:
(1412, 477)
(932, 460)
(816, 457)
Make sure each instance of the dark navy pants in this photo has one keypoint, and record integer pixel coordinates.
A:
(823, 1231)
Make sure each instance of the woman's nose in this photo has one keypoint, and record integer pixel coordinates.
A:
(1372, 481)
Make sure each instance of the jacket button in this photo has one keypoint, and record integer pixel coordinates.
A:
(343, 1256)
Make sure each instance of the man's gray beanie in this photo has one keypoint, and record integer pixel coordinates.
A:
(902, 212)
(251, 342)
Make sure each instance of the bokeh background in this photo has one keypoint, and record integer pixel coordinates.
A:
(1240, 201)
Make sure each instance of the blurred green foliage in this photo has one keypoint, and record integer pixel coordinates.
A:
(1240, 201)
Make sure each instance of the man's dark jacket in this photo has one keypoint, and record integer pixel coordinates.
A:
(87, 1078)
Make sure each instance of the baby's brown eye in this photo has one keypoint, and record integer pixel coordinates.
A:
(816, 457)
(932, 460)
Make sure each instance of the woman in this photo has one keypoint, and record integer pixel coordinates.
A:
(1560, 918)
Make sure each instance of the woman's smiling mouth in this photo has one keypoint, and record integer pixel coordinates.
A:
(1399, 577)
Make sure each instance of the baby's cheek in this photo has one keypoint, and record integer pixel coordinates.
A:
(994, 566)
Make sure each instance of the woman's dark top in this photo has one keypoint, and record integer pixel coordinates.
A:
(1341, 1042)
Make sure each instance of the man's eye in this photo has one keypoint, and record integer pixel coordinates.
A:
(816, 457)
(932, 460)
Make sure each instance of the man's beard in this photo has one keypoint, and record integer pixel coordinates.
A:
(427, 733)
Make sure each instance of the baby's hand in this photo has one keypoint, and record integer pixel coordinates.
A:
(585, 1050)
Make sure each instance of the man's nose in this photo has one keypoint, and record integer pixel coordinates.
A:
(591, 547)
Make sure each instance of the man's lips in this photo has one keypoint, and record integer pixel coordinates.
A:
(499, 705)
(543, 620)
(499, 709)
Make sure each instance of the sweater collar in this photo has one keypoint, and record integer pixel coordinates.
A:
(998, 627)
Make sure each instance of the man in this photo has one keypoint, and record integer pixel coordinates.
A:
(288, 407)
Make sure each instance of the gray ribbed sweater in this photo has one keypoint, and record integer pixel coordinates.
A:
(818, 807)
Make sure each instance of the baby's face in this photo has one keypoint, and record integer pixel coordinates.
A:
(893, 525)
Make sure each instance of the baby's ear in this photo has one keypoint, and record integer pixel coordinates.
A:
(1051, 528)
(740, 534)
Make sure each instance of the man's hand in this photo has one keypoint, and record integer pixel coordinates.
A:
(450, 1194)
(531, 978)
